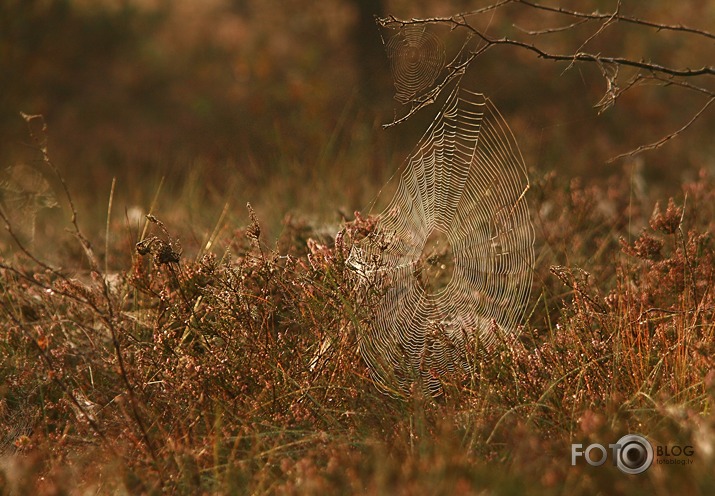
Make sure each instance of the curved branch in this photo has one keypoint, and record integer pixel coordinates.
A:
(455, 22)
(608, 65)
(666, 138)
(618, 17)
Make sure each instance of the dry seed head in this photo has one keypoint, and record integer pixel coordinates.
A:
(669, 221)
(166, 254)
(254, 230)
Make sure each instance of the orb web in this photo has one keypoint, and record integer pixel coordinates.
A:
(24, 191)
(452, 253)
(416, 59)
(434, 269)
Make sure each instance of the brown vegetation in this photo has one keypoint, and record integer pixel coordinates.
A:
(174, 352)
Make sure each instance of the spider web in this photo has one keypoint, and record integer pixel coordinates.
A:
(416, 59)
(452, 253)
(24, 191)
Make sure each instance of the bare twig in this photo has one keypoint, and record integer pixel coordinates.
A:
(109, 317)
(49, 363)
(665, 139)
(616, 16)
(460, 22)
(455, 71)
(607, 22)
(41, 142)
(609, 65)
(538, 32)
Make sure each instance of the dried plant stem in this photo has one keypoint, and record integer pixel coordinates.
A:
(109, 317)
(106, 232)
(646, 69)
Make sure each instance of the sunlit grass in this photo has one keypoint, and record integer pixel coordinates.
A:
(209, 358)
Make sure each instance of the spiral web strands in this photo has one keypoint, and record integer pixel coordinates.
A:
(23, 193)
(416, 59)
(452, 252)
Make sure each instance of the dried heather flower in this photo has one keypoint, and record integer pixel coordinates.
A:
(254, 230)
(647, 247)
(669, 221)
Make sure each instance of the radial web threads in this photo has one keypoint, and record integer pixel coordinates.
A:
(452, 251)
(416, 59)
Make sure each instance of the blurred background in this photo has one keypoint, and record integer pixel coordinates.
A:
(195, 106)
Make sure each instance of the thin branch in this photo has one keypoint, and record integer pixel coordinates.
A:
(559, 29)
(602, 27)
(456, 71)
(618, 17)
(110, 318)
(679, 82)
(454, 22)
(608, 65)
(639, 80)
(664, 139)
(49, 363)
(41, 142)
(488, 8)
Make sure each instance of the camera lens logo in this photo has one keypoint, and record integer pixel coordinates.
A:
(632, 454)
(635, 454)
